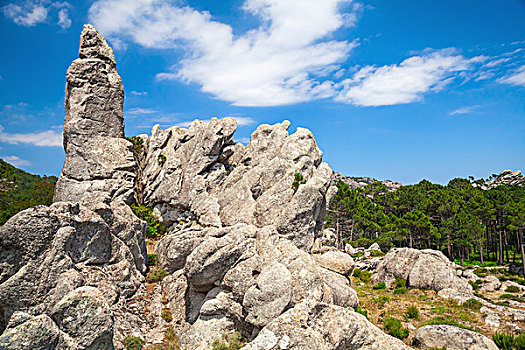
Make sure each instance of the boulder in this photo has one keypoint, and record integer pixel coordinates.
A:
(451, 337)
(319, 326)
(222, 248)
(48, 252)
(174, 248)
(36, 333)
(269, 296)
(336, 261)
(92, 332)
(425, 269)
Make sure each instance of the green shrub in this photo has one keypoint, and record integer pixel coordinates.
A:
(138, 144)
(477, 284)
(504, 341)
(231, 341)
(161, 158)
(376, 253)
(473, 304)
(400, 290)
(380, 285)
(155, 227)
(357, 272)
(382, 300)
(519, 342)
(166, 315)
(394, 327)
(298, 180)
(133, 343)
(152, 259)
(400, 282)
(512, 297)
(513, 289)
(363, 312)
(413, 312)
(156, 275)
(171, 340)
(365, 276)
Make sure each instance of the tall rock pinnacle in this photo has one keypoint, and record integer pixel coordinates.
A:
(98, 158)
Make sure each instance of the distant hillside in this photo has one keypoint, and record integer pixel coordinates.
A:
(20, 190)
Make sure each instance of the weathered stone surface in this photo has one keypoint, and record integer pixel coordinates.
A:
(98, 158)
(270, 295)
(38, 333)
(174, 248)
(319, 326)
(451, 337)
(222, 248)
(336, 261)
(198, 179)
(85, 316)
(337, 290)
(426, 269)
(47, 252)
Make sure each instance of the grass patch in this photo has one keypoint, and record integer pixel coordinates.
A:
(166, 315)
(156, 275)
(133, 343)
(412, 312)
(513, 289)
(380, 285)
(447, 320)
(504, 341)
(473, 304)
(231, 341)
(152, 260)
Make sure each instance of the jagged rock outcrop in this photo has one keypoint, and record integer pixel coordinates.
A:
(98, 158)
(452, 338)
(72, 273)
(358, 182)
(200, 173)
(506, 177)
(425, 269)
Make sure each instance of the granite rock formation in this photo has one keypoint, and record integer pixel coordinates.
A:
(425, 269)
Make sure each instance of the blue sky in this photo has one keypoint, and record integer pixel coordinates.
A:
(400, 90)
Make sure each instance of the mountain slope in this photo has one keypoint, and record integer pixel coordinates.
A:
(20, 190)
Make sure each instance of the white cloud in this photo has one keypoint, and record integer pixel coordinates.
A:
(515, 78)
(464, 110)
(27, 16)
(48, 138)
(241, 121)
(281, 62)
(139, 111)
(403, 83)
(139, 93)
(63, 19)
(243, 140)
(32, 12)
(16, 161)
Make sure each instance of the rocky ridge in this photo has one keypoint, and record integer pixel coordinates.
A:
(358, 182)
(506, 177)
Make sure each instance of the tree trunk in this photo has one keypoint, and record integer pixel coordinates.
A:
(522, 251)
(500, 248)
(481, 253)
